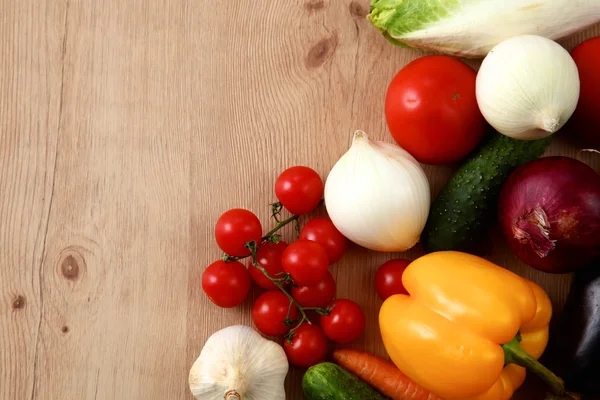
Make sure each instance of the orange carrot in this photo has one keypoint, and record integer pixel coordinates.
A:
(382, 375)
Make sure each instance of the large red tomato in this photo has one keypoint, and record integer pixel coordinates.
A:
(586, 118)
(431, 109)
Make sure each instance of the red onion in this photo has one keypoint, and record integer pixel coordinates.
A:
(549, 211)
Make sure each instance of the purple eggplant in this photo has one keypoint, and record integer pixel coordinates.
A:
(574, 348)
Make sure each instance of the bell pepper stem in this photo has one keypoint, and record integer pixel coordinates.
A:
(515, 354)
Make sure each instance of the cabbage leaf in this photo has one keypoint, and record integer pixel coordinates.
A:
(470, 28)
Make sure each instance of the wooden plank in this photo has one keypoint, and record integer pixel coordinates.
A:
(31, 75)
(126, 129)
(114, 276)
(294, 83)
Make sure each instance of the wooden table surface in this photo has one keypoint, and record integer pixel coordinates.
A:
(126, 129)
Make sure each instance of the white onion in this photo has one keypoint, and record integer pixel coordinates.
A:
(377, 195)
(527, 87)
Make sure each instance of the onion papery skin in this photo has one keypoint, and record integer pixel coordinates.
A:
(549, 212)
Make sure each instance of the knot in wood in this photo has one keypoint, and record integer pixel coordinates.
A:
(72, 264)
(18, 302)
(314, 4)
(357, 10)
(321, 52)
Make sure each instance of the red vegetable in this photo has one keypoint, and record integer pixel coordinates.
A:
(268, 256)
(322, 231)
(269, 313)
(226, 284)
(388, 278)
(305, 261)
(234, 229)
(586, 119)
(318, 295)
(307, 347)
(431, 109)
(549, 211)
(345, 323)
(299, 189)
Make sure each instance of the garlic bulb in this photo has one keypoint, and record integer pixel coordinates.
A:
(237, 363)
(527, 87)
(377, 195)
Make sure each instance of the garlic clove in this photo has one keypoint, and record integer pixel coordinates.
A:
(527, 87)
(237, 363)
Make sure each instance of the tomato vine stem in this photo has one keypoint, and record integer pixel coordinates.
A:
(272, 236)
(277, 282)
(280, 224)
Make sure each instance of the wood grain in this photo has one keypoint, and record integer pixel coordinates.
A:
(126, 129)
(31, 59)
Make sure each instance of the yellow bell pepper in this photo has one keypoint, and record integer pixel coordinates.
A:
(465, 326)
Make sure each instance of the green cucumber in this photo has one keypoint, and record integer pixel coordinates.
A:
(328, 381)
(462, 213)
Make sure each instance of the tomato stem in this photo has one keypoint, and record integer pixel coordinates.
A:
(276, 210)
(280, 224)
(285, 278)
(252, 246)
(271, 235)
(277, 283)
(287, 317)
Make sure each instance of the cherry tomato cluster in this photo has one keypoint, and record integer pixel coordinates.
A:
(296, 276)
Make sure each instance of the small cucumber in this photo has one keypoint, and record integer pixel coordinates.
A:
(328, 381)
(466, 206)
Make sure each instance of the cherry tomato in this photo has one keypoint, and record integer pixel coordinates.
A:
(305, 261)
(269, 313)
(226, 283)
(345, 323)
(317, 295)
(388, 278)
(431, 109)
(299, 189)
(235, 228)
(307, 347)
(268, 256)
(586, 118)
(322, 231)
